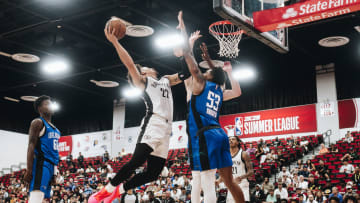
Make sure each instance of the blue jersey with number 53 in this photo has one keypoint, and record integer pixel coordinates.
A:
(205, 108)
(48, 144)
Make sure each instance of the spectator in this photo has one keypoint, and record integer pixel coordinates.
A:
(80, 159)
(322, 170)
(87, 190)
(129, 197)
(350, 199)
(258, 195)
(152, 198)
(251, 150)
(302, 183)
(311, 199)
(168, 198)
(335, 193)
(281, 190)
(353, 155)
(356, 177)
(312, 183)
(286, 180)
(90, 169)
(299, 164)
(349, 191)
(346, 167)
(304, 172)
(276, 142)
(334, 149)
(311, 166)
(266, 148)
(320, 198)
(334, 200)
(259, 152)
(284, 171)
(323, 150)
(106, 156)
(281, 158)
(69, 158)
(271, 197)
(183, 195)
(266, 185)
(72, 169)
(348, 137)
(175, 194)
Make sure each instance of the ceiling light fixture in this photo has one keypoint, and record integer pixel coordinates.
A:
(55, 66)
(169, 41)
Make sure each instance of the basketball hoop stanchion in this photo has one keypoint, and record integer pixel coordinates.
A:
(229, 36)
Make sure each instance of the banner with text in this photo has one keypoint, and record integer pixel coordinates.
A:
(303, 12)
(349, 113)
(91, 144)
(65, 145)
(298, 119)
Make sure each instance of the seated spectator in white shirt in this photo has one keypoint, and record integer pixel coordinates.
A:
(302, 183)
(281, 190)
(347, 168)
(284, 171)
(311, 199)
(348, 137)
(176, 180)
(90, 169)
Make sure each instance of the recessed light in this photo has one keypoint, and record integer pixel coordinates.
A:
(105, 83)
(29, 98)
(12, 99)
(334, 41)
(357, 28)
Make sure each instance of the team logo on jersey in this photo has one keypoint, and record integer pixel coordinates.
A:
(154, 84)
(130, 139)
(239, 125)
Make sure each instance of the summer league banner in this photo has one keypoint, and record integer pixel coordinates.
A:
(91, 144)
(65, 145)
(349, 113)
(298, 119)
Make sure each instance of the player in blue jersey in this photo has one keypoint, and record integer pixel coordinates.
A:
(43, 154)
(209, 145)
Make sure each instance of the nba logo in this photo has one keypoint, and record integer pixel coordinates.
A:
(239, 125)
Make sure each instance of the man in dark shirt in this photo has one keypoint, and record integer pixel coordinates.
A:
(81, 159)
(312, 183)
(323, 170)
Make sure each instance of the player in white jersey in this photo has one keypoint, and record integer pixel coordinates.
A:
(242, 168)
(153, 142)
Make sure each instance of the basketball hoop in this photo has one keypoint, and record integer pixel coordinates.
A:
(228, 35)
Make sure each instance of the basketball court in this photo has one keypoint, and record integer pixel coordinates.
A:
(284, 53)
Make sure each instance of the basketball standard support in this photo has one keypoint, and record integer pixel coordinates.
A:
(327, 105)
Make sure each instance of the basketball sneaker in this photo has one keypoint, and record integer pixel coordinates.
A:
(99, 196)
(113, 196)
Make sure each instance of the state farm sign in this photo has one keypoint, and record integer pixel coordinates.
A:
(301, 13)
(271, 122)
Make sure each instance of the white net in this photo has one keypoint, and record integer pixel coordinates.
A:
(229, 36)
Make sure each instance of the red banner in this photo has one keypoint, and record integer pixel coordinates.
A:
(65, 145)
(348, 113)
(289, 120)
(304, 12)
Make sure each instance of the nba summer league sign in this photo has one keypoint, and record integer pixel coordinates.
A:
(289, 120)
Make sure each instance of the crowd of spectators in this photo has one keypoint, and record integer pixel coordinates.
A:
(78, 179)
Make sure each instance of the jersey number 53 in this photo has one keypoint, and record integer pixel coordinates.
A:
(213, 101)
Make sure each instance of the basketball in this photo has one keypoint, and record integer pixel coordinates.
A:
(118, 25)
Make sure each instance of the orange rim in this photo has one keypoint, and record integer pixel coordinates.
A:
(224, 22)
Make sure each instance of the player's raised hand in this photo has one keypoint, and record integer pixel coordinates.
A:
(193, 37)
(110, 34)
(227, 67)
(205, 54)
(181, 25)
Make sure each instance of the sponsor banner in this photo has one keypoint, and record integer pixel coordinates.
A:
(91, 144)
(289, 120)
(65, 145)
(327, 109)
(349, 111)
(303, 12)
(179, 138)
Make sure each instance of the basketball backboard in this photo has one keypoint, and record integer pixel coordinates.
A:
(240, 12)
